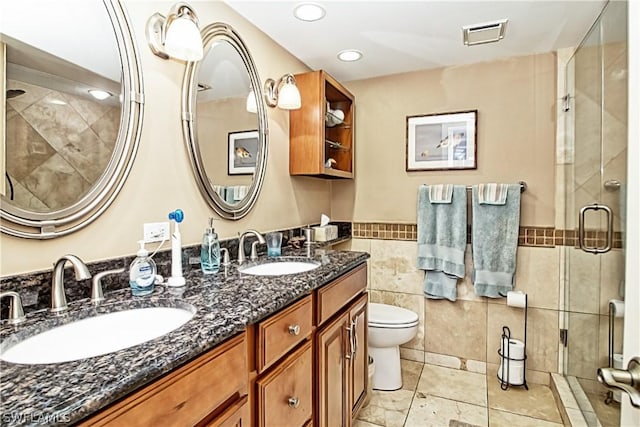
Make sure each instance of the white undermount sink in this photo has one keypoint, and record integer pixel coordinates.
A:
(279, 268)
(98, 335)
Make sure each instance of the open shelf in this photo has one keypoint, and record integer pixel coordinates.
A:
(321, 131)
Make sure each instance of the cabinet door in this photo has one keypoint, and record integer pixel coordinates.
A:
(332, 350)
(359, 368)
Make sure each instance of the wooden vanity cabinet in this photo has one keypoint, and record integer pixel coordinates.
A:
(315, 135)
(341, 349)
(208, 391)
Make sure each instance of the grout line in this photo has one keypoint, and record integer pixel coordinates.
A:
(413, 398)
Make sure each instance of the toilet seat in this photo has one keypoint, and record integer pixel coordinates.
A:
(391, 317)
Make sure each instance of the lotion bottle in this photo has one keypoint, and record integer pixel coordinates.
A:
(142, 272)
(210, 250)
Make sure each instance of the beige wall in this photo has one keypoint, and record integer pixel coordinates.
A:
(515, 99)
(161, 179)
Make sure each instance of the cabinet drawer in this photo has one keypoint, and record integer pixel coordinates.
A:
(186, 396)
(283, 331)
(285, 395)
(332, 297)
(237, 415)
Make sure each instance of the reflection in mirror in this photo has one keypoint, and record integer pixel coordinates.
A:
(224, 125)
(227, 141)
(72, 112)
(59, 137)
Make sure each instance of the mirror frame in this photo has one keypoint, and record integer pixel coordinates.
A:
(36, 225)
(212, 33)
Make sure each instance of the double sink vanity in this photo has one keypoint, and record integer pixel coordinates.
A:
(257, 344)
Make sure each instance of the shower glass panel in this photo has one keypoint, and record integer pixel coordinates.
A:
(597, 131)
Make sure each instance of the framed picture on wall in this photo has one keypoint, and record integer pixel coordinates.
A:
(243, 150)
(442, 141)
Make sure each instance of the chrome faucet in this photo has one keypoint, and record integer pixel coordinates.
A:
(16, 314)
(254, 254)
(58, 298)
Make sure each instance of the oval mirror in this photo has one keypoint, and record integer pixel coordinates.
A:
(224, 123)
(72, 109)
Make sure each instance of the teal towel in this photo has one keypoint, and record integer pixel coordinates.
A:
(442, 239)
(494, 243)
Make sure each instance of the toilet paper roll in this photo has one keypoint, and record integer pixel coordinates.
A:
(515, 376)
(616, 308)
(516, 299)
(617, 361)
(515, 348)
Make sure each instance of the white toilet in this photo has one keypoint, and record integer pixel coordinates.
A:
(389, 327)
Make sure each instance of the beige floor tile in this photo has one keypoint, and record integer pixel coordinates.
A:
(609, 415)
(410, 374)
(537, 402)
(448, 383)
(387, 408)
(429, 411)
(507, 419)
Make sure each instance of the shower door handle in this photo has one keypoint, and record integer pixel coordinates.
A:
(582, 232)
(626, 380)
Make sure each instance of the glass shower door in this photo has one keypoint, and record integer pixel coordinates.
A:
(594, 267)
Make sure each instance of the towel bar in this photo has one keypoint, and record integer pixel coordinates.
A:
(523, 186)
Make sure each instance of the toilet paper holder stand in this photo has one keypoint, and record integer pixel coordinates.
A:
(506, 359)
(611, 349)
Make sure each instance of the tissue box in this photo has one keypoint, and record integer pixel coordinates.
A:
(325, 233)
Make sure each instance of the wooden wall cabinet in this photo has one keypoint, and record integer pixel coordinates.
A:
(321, 143)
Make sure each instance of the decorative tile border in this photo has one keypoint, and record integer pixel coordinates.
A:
(546, 237)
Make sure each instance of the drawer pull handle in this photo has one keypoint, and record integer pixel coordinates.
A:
(294, 329)
(294, 402)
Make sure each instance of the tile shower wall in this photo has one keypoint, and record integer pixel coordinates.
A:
(466, 334)
(58, 145)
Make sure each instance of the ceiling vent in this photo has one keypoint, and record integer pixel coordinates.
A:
(488, 32)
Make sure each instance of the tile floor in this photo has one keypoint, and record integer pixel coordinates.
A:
(437, 396)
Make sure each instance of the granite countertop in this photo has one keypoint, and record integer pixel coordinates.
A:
(226, 302)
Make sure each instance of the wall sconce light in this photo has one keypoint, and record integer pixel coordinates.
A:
(284, 94)
(252, 103)
(176, 36)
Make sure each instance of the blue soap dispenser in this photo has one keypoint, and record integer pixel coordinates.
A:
(142, 272)
(210, 250)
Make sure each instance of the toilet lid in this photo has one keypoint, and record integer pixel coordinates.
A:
(383, 314)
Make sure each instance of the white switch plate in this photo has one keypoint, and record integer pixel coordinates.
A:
(156, 232)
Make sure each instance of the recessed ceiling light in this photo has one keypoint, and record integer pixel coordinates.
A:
(309, 12)
(100, 95)
(57, 101)
(350, 55)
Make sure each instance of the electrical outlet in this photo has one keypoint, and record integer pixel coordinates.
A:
(156, 232)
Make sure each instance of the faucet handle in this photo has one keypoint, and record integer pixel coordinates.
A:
(254, 250)
(16, 313)
(96, 285)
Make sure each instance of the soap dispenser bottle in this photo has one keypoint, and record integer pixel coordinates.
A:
(142, 272)
(210, 250)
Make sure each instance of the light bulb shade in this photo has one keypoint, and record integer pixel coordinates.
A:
(289, 96)
(183, 40)
(176, 36)
(252, 104)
